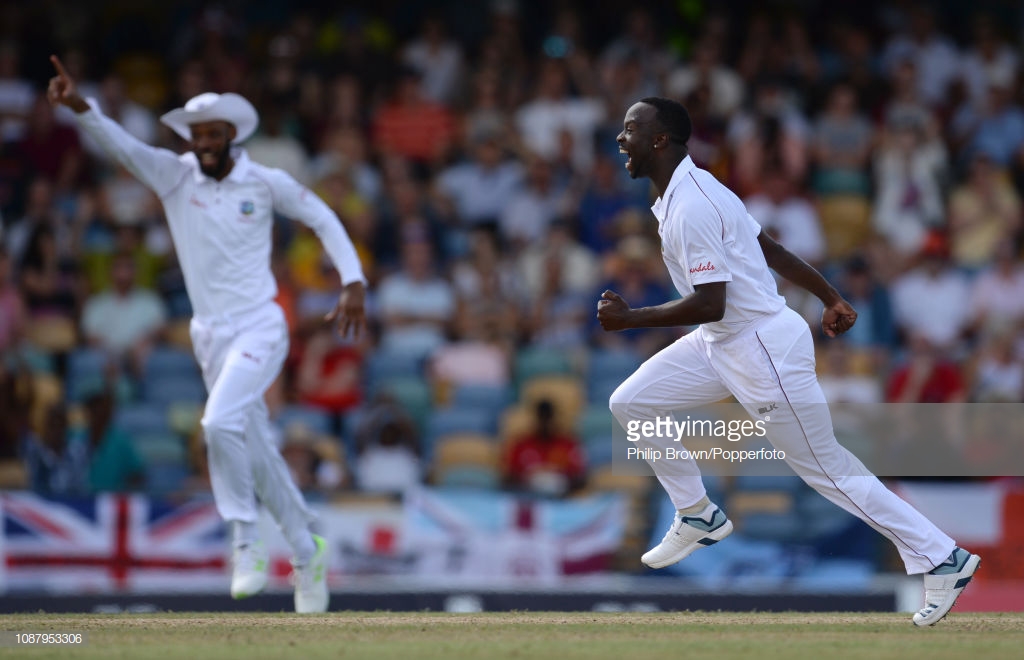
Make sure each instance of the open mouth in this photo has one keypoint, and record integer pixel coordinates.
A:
(629, 159)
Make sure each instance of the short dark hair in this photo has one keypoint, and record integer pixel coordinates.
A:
(673, 116)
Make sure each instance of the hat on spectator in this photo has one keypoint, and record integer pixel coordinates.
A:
(231, 108)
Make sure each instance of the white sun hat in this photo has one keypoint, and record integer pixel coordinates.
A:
(231, 108)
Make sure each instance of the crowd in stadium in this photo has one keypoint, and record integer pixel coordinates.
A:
(478, 174)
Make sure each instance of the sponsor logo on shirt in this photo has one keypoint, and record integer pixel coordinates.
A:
(247, 207)
(702, 268)
(194, 201)
(249, 356)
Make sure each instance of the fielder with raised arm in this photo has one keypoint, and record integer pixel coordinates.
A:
(752, 346)
(220, 209)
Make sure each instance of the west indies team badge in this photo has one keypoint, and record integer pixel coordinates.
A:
(247, 207)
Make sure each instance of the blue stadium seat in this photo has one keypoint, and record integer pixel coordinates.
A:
(535, 361)
(174, 389)
(469, 476)
(85, 372)
(315, 419)
(491, 398)
(449, 421)
(412, 393)
(158, 447)
(165, 362)
(140, 418)
(597, 420)
(612, 364)
(600, 390)
(383, 365)
(166, 479)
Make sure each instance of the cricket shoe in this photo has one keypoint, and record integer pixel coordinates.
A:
(250, 570)
(310, 579)
(943, 584)
(688, 533)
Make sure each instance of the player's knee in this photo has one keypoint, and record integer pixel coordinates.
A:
(621, 402)
(216, 427)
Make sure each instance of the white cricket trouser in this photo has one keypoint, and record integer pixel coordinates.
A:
(773, 362)
(240, 357)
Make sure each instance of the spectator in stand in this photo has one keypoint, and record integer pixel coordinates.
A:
(910, 169)
(578, 267)
(875, 328)
(388, 460)
(997, 295)
(415, 305)
(125, 320)
(314, 460)
(345, 149)
(547, 461)
(58, 463)
(17, 399)
(984, 212)
(843, 139)
(552, 111)
(725, 86)
(52, 290)
(412, 126)
(40, 211)
(988, 58)
(773, 130)
(997, 372)
(530, 210)
(52, 150)
(932, 302)
(604, 197)
(274, 146)
(138, 120)
(926, 376)
(16, 94)
(488, 287)
(480, 188)
(438, 59)
(12, 308)
(936, 55)
(114, 466)
(636, 277)
(994, 127)
(788, 216)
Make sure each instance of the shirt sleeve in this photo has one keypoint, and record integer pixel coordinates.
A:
(159, 169)
(297, 202)
(704, 245)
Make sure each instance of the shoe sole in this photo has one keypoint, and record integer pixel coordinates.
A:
(242, 595)
(972, 564)
(712, 538)
(321, 547)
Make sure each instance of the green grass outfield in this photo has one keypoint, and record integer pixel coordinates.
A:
(524, 635)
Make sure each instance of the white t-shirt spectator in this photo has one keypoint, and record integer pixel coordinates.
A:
(542, 121)
(480, 194)
(432, 301)
(937, 307)
(119, 322)
(794, 221)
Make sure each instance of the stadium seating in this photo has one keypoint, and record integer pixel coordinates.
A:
(412, 393)
(466, 460)
(383, 365)
(171, 389)
(534, 361)
(314, 419)
(164, 362)
(565, 392)
(449, 421)
(140, 418)
(605, 364)
(493, 399)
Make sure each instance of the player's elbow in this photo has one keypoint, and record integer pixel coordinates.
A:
(711, 298)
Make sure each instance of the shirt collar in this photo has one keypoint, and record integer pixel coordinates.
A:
(660, 207)
(237, 173)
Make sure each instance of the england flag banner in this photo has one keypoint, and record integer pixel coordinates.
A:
(111, 543)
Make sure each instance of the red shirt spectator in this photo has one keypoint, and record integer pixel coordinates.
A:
(547, 461)
(925, 378)
(412, 126)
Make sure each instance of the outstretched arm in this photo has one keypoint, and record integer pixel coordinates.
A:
(158, 169)
(297, 202)
(705, 305)
(839, 316)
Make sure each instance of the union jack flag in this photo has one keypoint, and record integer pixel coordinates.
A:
(111, 543)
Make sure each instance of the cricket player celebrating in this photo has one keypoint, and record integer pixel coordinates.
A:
(752, 346)
(219, 207)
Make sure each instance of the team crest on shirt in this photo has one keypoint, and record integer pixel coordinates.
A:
(247, 207)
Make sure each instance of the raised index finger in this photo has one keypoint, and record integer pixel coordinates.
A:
(59, 66)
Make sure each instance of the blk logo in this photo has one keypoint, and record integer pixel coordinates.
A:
(767, 409)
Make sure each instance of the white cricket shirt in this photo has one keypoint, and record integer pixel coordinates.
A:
(708, 236)
(222, 229)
